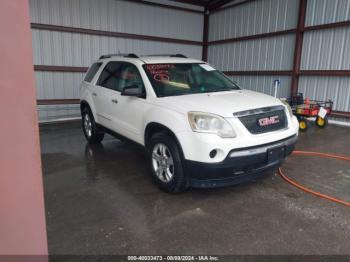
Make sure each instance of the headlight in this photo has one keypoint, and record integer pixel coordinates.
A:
(210, 123)
(288, 107)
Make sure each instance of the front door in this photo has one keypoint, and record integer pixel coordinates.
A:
(122, 114)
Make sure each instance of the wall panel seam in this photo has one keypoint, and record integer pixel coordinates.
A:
(282, 32)
(86, 31)
(76, 69)
(142, 2)
(251, 37)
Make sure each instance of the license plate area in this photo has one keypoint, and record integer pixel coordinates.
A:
(275, 154)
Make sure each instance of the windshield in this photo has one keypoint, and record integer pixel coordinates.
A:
(182, 79)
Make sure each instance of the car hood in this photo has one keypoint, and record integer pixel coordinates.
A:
(220, 103)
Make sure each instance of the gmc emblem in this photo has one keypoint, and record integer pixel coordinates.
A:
(268, 121)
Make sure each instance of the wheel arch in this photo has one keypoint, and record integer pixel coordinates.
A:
(154, 127)
(83, 104)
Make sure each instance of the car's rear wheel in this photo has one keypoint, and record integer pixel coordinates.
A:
(165, 161)
(91, 132)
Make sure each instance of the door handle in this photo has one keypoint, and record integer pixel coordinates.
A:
(94, 94)
(115, 101)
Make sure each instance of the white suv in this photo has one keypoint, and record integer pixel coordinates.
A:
(198, 127)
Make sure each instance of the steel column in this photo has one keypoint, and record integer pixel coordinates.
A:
(205, 35)
(298, 46)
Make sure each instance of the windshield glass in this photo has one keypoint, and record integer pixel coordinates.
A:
(182, 79)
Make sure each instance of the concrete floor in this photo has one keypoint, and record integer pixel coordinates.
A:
(99, 200)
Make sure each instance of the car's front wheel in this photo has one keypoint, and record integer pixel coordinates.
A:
(91, 132)
(165, 161)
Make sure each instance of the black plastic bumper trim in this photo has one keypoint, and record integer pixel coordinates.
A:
(237, 169)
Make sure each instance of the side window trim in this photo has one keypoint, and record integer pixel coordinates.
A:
(92, 72)
(98, 74)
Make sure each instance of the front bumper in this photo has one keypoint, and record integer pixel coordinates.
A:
(240, 165)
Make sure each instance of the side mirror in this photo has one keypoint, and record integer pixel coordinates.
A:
(132, 90)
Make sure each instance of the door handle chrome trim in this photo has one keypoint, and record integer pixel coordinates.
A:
(115, 101)
(94, 94)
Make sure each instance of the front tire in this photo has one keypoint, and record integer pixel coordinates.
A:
(91, 132)
(165, 161)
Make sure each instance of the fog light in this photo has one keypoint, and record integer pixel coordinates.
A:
(212, 153)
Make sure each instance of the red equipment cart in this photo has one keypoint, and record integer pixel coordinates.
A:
(305, 108)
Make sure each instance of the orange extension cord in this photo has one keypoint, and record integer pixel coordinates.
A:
(325, 155)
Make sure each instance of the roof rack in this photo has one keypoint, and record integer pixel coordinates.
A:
(130, 55)
(170, 55)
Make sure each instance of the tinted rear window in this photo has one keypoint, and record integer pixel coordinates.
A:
(92, 71)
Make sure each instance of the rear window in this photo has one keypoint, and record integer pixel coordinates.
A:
(92, 71)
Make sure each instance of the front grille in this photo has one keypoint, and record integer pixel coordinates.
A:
(263, 120)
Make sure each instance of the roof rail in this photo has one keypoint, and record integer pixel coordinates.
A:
(170, 55)
(130, 55)
(179, 55)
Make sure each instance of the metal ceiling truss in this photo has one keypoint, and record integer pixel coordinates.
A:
(207, 4)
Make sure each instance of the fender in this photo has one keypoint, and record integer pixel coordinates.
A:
(85, 97)
(172, 120)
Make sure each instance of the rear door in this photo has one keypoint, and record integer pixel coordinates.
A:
(87, 85)
(106, 95)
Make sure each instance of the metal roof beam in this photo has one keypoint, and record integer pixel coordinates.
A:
(213, 5)
(190, 2)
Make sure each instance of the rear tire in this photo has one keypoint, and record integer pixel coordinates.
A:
(165, 161)
(91, 132)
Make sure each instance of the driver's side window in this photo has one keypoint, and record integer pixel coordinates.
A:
(130, 76)
(118, 75)
(110, 76)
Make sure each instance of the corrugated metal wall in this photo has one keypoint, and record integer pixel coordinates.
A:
(119, 16)
(324, 88)
(264, 84)
(327, 49)
(74, 49)
(275, 53)
(67, 49)
(272, 53)
(327, 11)
(254, 17)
